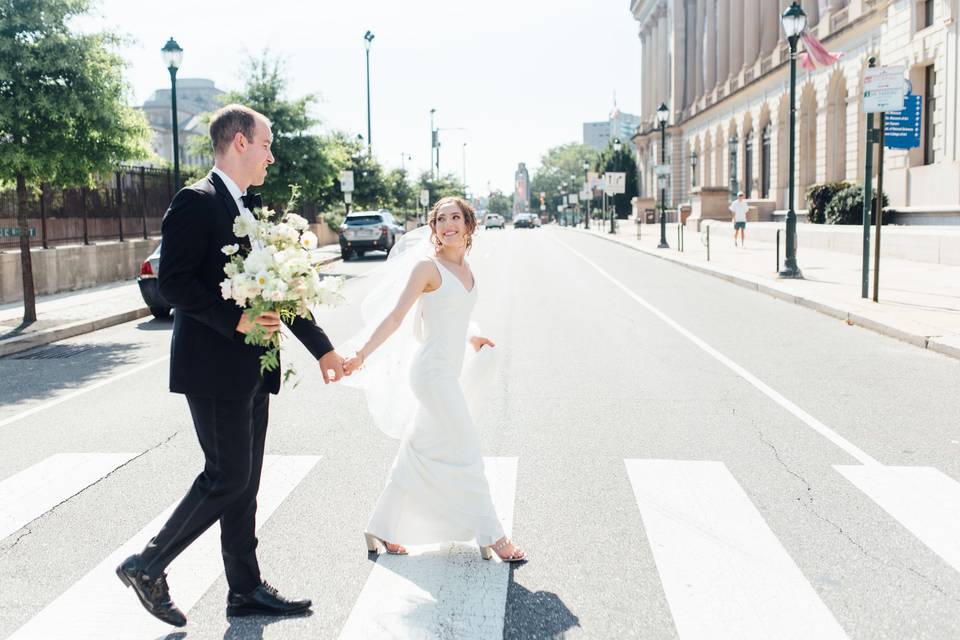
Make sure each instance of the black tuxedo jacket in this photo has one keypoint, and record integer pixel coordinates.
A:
(207, 355)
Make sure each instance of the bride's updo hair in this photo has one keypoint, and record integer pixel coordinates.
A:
(469, 219)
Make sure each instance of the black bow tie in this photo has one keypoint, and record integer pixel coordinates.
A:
(251, 201)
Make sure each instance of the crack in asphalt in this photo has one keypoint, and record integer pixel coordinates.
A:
(27, 529)
(808, 505)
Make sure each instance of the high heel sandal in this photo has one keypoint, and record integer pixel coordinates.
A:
(487, 552)
(372, 546)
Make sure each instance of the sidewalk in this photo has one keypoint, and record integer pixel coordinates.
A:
(68, 314)
(919, 301)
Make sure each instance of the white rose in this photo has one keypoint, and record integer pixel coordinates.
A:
(230, 269)
(244, 225)
(230, 249)
(308, 240)
(296, 221)
(226, 289)
(257, 260)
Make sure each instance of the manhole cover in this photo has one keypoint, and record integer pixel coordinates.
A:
(58, 352)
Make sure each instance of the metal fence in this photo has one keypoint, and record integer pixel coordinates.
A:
(128, 203)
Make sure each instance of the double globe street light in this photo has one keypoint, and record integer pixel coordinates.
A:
(367, 42)
(663, 114)
(794, 21)
(173, 56)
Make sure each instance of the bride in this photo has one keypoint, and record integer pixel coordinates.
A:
(436, 490)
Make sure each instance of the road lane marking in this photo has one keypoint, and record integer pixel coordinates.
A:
(440, 591)
(80, 392)
(724, 573)
(761, 386)
(29, 494)
(98, 606)
(923, 499)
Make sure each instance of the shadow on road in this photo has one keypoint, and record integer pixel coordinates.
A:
(252, 628)
(535, 614)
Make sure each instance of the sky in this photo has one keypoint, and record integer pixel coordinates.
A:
(510, 78)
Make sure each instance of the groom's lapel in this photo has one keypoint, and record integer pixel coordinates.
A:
(232, 210)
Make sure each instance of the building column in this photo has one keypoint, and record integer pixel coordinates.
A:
(770, 27)
(723, 40)
(644, 75)
(751, 31)
(737, 17)
(688, 68)
(710, 53)
(663, 63)
(698, 66)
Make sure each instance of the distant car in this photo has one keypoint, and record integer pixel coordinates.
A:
(493, 220)
(149, 288)
(525, 221)
(364, 231)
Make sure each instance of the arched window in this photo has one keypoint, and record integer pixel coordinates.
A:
(748, 165)
(765, 163)
(733, 144)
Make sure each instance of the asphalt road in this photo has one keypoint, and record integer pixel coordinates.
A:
(692, 459)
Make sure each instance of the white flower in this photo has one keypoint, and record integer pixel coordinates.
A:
(263, 279)
(257, 260)
(226, 289)
(296, 221)
(308, 240)
(230, 249)
(230, 269)
(244, 224)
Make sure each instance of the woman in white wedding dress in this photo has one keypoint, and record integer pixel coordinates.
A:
(437, 490)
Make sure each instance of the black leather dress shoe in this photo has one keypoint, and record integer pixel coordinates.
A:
(264, 601)
(153, 592)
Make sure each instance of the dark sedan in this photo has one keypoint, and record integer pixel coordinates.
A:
(525, 221)
(149, 288)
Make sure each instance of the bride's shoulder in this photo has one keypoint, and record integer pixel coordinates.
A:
(426, 271)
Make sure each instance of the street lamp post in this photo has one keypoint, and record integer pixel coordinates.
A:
(433, 140)
(173, 56)
(586, 217)
(367, 42)
(794, 21)
(617, 146)
(663, 114)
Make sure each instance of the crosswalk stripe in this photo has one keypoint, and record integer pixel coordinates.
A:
(724, 573)
(29, 494)
(97, 606)
(922, 499)
(439, 591)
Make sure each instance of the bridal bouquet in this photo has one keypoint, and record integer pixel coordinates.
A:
(278, 272)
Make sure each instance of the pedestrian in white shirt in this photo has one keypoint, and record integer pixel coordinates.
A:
(739, 208)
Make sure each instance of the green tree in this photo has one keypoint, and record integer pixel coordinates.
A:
(556, 167)
(401, 194)
(441, 186)
(64, 113)
(500, 203)
(303, 157)
(610, 160)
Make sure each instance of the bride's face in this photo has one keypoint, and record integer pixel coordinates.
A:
(451, 227)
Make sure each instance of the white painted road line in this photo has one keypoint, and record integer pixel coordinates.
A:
(80, 392)
(724, 573)
(761, 386)
(924, 500)
(439, 591)
(26, 496)
(98, 606)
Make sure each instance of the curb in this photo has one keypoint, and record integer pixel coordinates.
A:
(850, 317)
(18, 344)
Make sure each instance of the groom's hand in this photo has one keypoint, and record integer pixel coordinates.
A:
(270, 321)
(331, 363)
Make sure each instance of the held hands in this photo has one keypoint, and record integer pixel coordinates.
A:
(331, 366)
(478, 342)
(270, 321)
(354, 362)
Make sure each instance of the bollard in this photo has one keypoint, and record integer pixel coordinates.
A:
(776, 267)
(708, 243)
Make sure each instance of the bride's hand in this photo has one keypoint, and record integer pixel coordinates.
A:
(479, 341)
(352, 363)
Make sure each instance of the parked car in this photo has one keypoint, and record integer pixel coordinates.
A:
(149, 288)
(493, 220)
(364, 231)
(526, 221)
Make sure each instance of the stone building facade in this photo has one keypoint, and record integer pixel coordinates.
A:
(722, 68)
(195, 98)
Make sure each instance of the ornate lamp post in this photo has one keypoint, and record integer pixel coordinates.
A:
(794, 21)
(586, 217)
(663, 114)
(173, 56)
(617, 146)
(367, 42)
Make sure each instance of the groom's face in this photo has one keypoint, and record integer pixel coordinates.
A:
(257, 155)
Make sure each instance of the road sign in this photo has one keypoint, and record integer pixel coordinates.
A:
(574, 198)
(346, 181)
(348, 197)
(883, 89)
(615, 182)
(424, 197)
(543, 207)
(585, 195)
(662, 170)
(595, 180)
(901, 129)
(14, 232)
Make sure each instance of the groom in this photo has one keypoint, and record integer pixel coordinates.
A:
(220, 376)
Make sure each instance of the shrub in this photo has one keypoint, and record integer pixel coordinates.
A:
(819, 196)
(333, 219)
(846, 206)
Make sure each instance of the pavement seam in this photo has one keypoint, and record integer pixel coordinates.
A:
(28, 527)
(851, 318)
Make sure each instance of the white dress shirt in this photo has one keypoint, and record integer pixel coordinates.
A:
(232, 188)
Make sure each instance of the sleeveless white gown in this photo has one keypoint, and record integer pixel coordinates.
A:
(437, 490)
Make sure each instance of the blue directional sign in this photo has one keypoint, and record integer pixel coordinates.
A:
(901, 129)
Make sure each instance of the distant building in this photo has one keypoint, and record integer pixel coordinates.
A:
(521, 189)
(597, 135)
(195, 98)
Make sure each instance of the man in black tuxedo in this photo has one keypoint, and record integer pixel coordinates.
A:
(220, 375)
